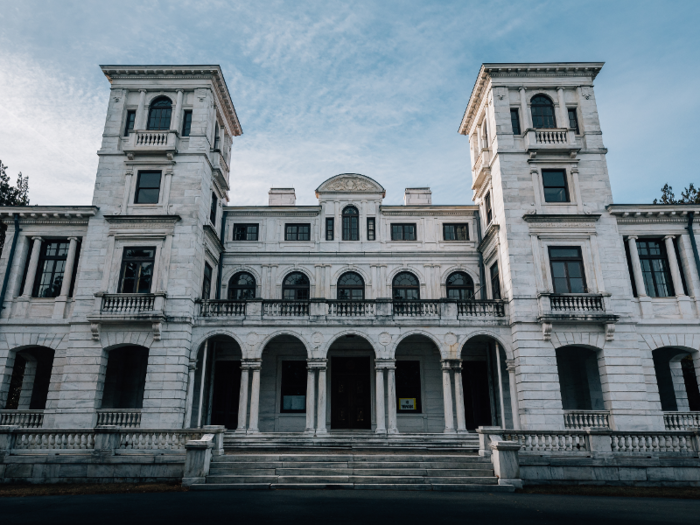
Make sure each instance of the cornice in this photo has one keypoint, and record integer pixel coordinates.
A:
(76, 215)
(652, 212)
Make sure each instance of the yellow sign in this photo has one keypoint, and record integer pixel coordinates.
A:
(407, 403)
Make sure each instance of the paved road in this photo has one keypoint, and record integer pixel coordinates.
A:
(340, 507)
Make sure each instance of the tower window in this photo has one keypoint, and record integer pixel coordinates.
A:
(554, 183)
(573, 120)
(515, 120)
(371, 229)
(330, 226)
(214, 206)
(495, 281)
(159, 114)
(130, 120)
(137, 270)
(351, 224)
(542, 112)
(567, 270)
(52, 264)
(187, 123)
(206, 282)
(455, 232)
(488, 209)
(147, 187)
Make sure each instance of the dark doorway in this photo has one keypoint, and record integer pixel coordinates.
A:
(477, 404)
(351, 397)
(227, 388)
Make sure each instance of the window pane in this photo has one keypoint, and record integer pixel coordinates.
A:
(515, 121)
(396, 232)
(576, 285)
(187, 124)
(371, 233)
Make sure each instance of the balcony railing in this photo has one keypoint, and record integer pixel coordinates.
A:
(576, 303)
(551, 136)
(286, 308)
(681, 420)
(222, 308)
(580, 419)
(151, 141)
(351, 308)
(425, 308)
(128, 303)
(22, 418)
(493, 308)
(120, 417)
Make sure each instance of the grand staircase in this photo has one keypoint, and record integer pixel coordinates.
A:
(352, 461)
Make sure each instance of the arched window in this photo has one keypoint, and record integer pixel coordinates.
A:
(542, 112)
(460, 286)
(159, 114)
(351, 224)
(241, 287)
(295, 287)
(351, 287)
(405, 287)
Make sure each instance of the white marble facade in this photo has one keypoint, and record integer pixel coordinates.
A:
(190, 348)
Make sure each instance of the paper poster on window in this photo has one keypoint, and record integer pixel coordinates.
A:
(293, 402)
(407, 403)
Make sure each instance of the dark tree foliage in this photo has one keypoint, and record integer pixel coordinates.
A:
(17, 195)
(690, 195)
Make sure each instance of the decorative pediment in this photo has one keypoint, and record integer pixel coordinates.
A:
(350, 183)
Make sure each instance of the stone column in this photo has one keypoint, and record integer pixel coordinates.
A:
(243, 400)
(510, 366)
(192, 367)
(563, 112)
(201, 383)
(525, 117)
(379, 398)
(310, 387)
(140, 120)
(70, 263)
(391, 396)
(459, 396)
(447, 397)
(500, 385)
(33, 264)
(673, 266)
(636, 267)
(254, 398)
(321, 410)
(175, 122)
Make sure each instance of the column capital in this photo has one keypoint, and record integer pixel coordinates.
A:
(143, 90)
(385, 364)
(632, 237)
(76, 239)
(316, 364)
(251, 364)
(510, 365)
(446, 364)
(38, 238)
(180, 90)
(667, 237)
(522, 89)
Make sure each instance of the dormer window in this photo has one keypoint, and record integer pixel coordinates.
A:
(542, 112)
(351, 224)
(159, 114)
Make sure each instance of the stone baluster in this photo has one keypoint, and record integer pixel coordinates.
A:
(31, 270)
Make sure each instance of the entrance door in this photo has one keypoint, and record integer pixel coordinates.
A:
(227, 388)
(351, 397)
(477, 404)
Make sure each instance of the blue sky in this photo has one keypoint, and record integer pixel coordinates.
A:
(329, 87)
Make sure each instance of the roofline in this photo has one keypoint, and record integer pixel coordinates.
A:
(224, 92)
(360, 174)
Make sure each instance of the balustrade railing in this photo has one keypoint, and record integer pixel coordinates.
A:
(576, 303)
(580, 419)
(54, 440)
(286, 308)
(125, 418)
(534, 442)
(157, 439)
(551, 136)
(127, 303)
(426, 308)
(22, 418)
(351, 308)
(481, 308)
(152, 138)
(681, 420)
(673, 443)
(222, 308)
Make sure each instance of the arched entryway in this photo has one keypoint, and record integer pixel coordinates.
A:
(677, 378)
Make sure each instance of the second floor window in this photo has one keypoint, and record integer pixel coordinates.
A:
(455, 232)
(159, 114)
(554, 184)
(214, 206)
(567, 270)
(460, 286)
(52, 265)
(515, 121)
(241, 287)
(405, 287)
(330, 226)
(147, 187)
(655, 270)
(488, 209)
(245, 232)
(297, 232)
(351, 224)
(495, 282)
(130, 120)
(206, 282)
(371, 229)
(573, 120)
(542, 112)
(137, 270)
(296, 287)
(186, 123)
(351, 287)
(403, 232)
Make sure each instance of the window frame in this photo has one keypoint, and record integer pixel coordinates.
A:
(232, 288)
(153, 119)
(140, 261)
(488, 209)
(129, 122)
(351, 223)
(666, 270)
(296, 288)
(395, 287)
(515, 123)
(186, 122)
(469, 290)
(567, 192)
(245, 225)
(330, 228)
(545, 118)
(207, 281)
(566, 260)
(296, 225)
(214, 209)
(573, 111)
(41, 267)
(139, 187)
(371, 229)
(495, 281)
(445, 225)
(350, 287)
(404, 226)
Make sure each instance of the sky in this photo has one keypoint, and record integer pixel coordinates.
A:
(327, 87)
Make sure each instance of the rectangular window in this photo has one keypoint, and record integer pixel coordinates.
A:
(214, 206)
(555, 188)
(130, 120)
(186, 123)
(573, 120)
(515, 120)
(487, 207)
(567, 270)
(147, 187)
(330, 227)
(137, 270)
(297, 232)
(455, 232)
(403, 232)
(408, 391)
(293, 388)
(495, 282)
(371, 229)
(52, 265)
(655, 270)
(206, 283)
(245, 232)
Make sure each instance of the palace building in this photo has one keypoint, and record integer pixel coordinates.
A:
(543, 306)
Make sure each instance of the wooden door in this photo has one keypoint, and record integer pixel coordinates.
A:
(227, 388)
(351, 396)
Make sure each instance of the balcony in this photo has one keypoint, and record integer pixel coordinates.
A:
(575, 308)
(22, 418)
(128, 307)
(681, 420)
(120, 417)
(580, 419)
(576, 303)
(151, 142)
(555, 140)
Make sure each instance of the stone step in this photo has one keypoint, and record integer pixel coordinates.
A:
(363, 480)
(357, 486)
(351, 471)
(347, 458)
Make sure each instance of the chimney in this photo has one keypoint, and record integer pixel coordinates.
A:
(417, 197)
(282, 197)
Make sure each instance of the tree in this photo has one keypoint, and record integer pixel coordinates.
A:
(10, 195)
(690, 195)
